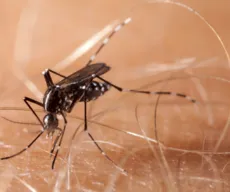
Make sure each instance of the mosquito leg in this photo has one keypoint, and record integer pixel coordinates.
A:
(106, 40)
(149, 92)
(60, 141)
(54, 72)
(28, 146)
(94, 141)
(27, 100)
(56, 140)
(48, 78)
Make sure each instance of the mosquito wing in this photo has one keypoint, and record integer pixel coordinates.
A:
(84, 75)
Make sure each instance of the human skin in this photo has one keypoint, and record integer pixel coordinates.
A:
(36, 35)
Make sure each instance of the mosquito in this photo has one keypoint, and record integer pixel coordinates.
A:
(81, 86)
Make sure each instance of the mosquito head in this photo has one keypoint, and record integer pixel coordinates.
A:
(50, 122)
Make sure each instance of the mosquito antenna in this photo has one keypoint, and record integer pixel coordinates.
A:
(106, 40)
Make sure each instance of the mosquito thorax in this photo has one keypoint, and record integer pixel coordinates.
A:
(50, 121)
(52, 99)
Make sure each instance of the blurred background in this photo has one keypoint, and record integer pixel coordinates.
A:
(166, 47)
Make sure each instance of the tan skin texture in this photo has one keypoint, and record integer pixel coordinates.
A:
(159, 35)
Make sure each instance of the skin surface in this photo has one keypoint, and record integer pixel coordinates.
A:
(163, 41)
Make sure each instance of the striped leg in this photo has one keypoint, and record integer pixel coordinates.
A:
(149, 92)
(106, 40)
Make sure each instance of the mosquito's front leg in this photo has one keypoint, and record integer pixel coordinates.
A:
(27, 101)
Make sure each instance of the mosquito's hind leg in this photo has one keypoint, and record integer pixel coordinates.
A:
(149, 92)
(107, 39)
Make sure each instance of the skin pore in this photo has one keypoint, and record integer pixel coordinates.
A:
(164, 48)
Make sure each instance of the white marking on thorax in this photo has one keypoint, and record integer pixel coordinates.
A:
(67, 102)
(47, 98)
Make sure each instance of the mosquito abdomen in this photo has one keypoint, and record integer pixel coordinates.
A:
(95, 90)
